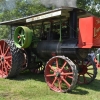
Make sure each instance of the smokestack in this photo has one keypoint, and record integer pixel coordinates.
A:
(59, 3)
(73, 23)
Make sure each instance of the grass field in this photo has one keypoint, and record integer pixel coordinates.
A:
(28, 86)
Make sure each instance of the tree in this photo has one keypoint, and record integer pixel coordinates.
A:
(93, 6)
(21, 8)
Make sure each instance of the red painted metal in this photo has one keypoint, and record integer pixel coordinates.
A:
(5, 59)
(89, 32)
(97, 63)
(85, 71)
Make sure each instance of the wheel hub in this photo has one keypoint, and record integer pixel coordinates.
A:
(2, 59)
(82, 69)
(58, 74)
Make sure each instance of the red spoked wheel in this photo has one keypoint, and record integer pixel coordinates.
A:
(5, 59)
(60, 74)
(10, 59)
(87, 70)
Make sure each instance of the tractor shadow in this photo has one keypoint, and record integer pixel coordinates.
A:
(29, 75)
(84, 89)
(95, 85)
(79, 92)
(79, 89)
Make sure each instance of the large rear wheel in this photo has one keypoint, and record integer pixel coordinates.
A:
(11, 59)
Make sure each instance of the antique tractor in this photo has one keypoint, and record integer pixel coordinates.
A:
(56, 42)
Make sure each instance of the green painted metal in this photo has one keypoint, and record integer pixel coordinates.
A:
(22, 37)
(98, 57)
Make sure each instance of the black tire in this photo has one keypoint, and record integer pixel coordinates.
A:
(17, 59)
(94, 69)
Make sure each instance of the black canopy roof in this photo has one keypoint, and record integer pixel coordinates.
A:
(23, 21)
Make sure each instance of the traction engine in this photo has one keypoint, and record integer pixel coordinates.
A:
(56, 43)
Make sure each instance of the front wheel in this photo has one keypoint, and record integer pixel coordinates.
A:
(60, 74)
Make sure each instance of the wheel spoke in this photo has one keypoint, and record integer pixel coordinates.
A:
(63, 65)
(19, 40)
(70, 77)
(24, 38)
(67, 74)
(22, 41)
(66, 82)
(87, 63)
(90, 74)
(56, 62)
(22, 32)
(3, 47)
(59, 82)
(49, 75)
(90, 69)
(54, 81)
(8, 57)
(0, 50)
(82, 62)
(0, 63)
(84, 78)
(8, 65)
(4, 66)
(51, 68)
(7, 50)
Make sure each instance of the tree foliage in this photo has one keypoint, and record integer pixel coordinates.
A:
(93, 6)
(22, 8)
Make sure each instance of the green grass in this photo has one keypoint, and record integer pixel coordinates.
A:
(28, 86)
